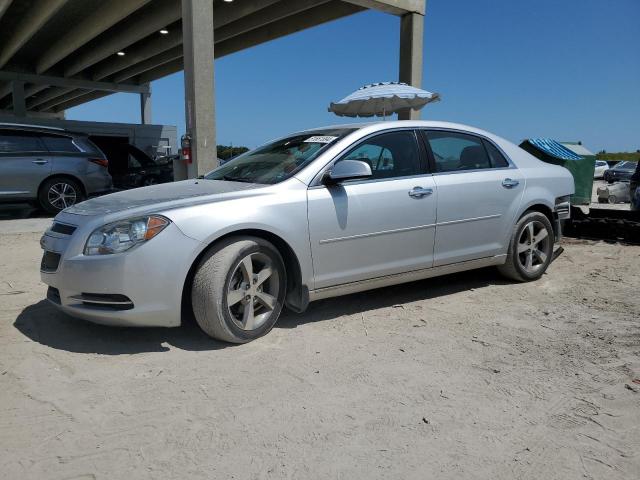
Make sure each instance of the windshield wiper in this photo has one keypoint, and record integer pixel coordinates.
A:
(230, 178)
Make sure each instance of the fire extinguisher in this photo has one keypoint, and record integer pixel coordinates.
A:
(185, 149)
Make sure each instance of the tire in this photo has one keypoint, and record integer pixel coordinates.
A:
(147, 181)
(221, 277)
(58, 193)
(612, 199)
(521, 254)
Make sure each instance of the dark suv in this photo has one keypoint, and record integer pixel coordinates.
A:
(50, 167)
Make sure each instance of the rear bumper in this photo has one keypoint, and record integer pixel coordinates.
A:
(141, 287)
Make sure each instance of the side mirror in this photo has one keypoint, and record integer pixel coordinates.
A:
(347, 170)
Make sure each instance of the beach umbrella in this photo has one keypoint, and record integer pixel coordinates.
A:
(382, 99)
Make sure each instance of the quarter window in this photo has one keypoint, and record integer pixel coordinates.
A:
(55, 143)
(390, 155)
(11, 142)
(497, 159)
(454, 151)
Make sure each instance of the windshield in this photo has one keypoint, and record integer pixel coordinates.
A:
(624, 165)
(279, 160)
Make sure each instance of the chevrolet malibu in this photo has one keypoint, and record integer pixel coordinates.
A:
(316, 214)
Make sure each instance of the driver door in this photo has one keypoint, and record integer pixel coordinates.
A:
(362, 229)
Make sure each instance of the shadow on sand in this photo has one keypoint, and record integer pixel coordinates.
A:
(43, 323)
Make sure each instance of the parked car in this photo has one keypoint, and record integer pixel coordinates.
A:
(620, 172)
(316, 214)
(140, 170)
(601, 167)
(613, 193)
(49, 167)
(634, 191)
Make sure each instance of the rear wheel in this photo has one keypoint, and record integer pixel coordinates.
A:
(613, 199)
(58, 193)
(238, 289)
(530, 249)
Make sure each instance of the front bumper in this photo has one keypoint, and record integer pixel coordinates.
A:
(141, 287)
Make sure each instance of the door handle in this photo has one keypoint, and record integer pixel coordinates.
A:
(40, 161)
(509, 183)
(419, 192)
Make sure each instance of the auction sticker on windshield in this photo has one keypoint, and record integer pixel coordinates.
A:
(320, 139)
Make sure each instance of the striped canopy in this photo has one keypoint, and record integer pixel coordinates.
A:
(382, 99)
(553, 148)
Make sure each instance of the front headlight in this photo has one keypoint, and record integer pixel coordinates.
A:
(120, 236)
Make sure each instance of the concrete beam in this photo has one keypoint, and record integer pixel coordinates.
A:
(72, 82)
(138, 68)
(145, 108)
(148, 21)
(4, 4)
(47, 96)
(138, 53)
(19, 106)
(261, 18)
(197, 30)
(79, 100)
(224, 14)
(314, 16)
(7, 116)
(309, 18)
(5, 89)
(411, 51)
(106, 15)
(60, 99)
(28, 24)
(395, 7)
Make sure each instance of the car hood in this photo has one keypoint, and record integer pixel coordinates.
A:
(165, 196)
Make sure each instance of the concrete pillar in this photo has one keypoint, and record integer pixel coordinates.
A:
(145, 107)
(411, 42)
(19, 104)
(197, 31)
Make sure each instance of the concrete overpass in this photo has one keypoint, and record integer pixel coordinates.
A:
(57, 54)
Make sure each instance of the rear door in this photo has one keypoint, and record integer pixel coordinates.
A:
(479, 193)
(24, 164)
(379, 226)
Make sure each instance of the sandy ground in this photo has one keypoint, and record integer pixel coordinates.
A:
(466, 376)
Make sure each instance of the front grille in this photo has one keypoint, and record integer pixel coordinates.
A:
(53, 294)
(63, 228)
(50, 261)
(105, 301)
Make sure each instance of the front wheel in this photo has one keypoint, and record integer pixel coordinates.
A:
(530, 249)
(239, 289)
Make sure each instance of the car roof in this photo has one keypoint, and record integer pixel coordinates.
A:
(390, 124)
(38, 129)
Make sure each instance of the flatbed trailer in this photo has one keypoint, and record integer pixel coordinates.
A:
(604, 224)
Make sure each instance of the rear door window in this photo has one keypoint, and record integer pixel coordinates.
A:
(454, 152)
(19, 142)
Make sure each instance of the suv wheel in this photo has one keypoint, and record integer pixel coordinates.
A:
(58, 193)
(238, 290)
(530, 249)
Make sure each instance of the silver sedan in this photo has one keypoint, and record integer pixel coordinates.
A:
(316, 214)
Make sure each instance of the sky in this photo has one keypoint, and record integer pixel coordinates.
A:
(565, 69)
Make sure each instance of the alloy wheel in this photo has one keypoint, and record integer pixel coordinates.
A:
(62, 195)
(252, 292)
(533, 246)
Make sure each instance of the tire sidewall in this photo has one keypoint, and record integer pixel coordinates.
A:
(526, 219)
(266, 248)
